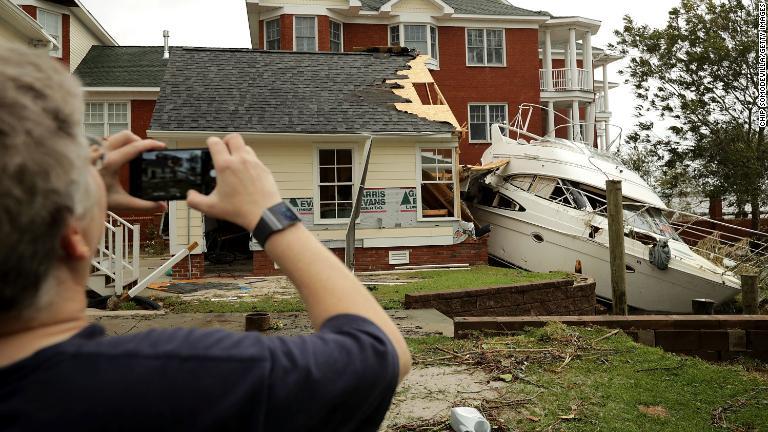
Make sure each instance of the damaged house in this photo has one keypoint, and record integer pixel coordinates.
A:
(308, 117)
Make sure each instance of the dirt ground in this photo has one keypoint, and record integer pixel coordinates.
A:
(411, 323)
(427, 393)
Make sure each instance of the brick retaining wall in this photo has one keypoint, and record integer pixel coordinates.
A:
(560, 297)
(470, 251)
(710, 337)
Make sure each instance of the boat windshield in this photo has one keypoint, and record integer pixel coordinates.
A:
(649, 219)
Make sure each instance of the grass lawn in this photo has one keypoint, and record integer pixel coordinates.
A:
(579, 382)
(390, 296)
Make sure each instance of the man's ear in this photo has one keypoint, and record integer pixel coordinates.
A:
(73, 244)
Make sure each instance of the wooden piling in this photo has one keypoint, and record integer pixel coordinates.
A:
(616, 246)
(749, 294)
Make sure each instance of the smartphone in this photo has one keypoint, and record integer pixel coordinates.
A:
(167, 175)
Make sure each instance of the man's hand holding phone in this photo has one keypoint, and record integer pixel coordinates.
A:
(244, 185)
(115, 152)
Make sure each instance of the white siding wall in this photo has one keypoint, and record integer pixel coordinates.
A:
(81, 40)
(393, 164)
(187, 227)
(414, 6)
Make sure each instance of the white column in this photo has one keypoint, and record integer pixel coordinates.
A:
(588, 59)
(601, 136)
(548, 59)
(575, 120)
(572, 58)
(606, 106)
(551, 119)
(589, 127)
(607, 136)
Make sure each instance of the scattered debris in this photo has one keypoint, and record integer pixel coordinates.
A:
(718, 415)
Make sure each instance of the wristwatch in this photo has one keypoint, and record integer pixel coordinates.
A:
(274, 219)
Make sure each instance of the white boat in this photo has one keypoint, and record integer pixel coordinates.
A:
(544, 198)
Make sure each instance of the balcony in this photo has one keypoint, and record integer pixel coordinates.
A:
(565, 80)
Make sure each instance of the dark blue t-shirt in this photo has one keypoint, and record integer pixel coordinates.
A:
(339, 379)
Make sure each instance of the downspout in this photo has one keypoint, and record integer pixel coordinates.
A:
(349, 249)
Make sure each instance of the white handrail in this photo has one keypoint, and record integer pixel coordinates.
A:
(564, 79)
(119, 252)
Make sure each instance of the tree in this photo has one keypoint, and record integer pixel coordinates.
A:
(700, 73)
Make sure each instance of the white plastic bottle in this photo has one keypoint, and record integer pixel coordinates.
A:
(466, 419)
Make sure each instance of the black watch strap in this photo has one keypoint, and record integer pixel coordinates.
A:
(274, 219)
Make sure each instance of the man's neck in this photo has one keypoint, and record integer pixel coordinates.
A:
(57, 320)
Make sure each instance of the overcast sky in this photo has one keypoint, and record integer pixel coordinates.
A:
(224, 23)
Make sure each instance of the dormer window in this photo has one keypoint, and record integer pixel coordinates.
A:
(305, 33)
(420, 37)
(51, 23)
(272, 34)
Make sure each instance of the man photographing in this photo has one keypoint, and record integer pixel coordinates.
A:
(59, 372)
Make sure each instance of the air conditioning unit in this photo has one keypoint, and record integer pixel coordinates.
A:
(399, 257)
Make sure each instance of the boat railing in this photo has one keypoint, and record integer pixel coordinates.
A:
(736, 249)
(523, 117)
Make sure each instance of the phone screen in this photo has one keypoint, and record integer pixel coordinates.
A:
(169, 174)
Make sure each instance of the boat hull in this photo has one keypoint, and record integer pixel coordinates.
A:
(537, 248)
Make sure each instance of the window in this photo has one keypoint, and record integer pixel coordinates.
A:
(433, 42)
(481, 117)
(272, 34)
(304, 29)
(105, 118)
(336, 37)
(437, 197)
(335, 183)
(485, 47)
(51, 23)
(415, 36)
(394, 35)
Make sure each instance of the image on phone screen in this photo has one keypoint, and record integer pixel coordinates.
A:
(169, 174)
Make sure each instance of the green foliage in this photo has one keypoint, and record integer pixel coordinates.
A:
(699, 72)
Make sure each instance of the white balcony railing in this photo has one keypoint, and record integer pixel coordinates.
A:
(564, 79)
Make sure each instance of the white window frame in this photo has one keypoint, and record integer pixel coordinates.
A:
(58, 52)
(488, 122)
(294, 31)
(341, 34)
(316, 173)
(485, 47)
(454, 156)
(106, 103)
(401, 36)
(279, 26)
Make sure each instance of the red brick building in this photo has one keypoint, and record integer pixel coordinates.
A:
(488, 57)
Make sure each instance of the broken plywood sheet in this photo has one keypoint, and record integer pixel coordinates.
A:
(419, 74)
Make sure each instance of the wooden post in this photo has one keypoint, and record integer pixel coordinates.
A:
(616, 246)
(349, 248)
(749, 294)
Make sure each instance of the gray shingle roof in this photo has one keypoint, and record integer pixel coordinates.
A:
(469, 7)
(239, 90)
(122, 66)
